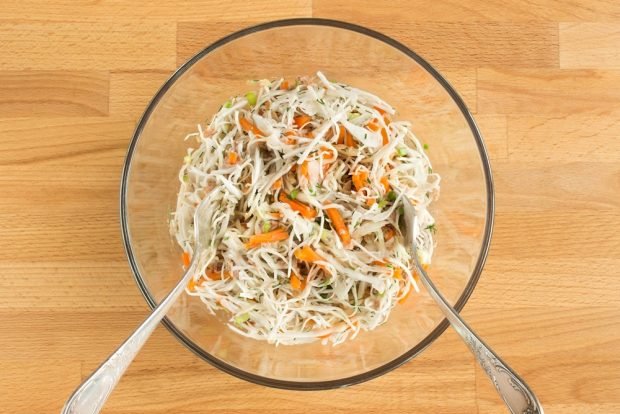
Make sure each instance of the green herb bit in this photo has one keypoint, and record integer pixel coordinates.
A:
(239, 319)
(430, 170)
(382, 203)
(425, 146)
(431, 228)
(401, 152)
(391, 196)
(401, 210)
(228, 104)
(186, 178)
(293, 194)
(266, 226)
(251, 97)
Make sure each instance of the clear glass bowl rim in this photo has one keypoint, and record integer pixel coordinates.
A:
(439, 329)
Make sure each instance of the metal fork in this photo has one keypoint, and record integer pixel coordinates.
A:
(92, 394)
(517, 395)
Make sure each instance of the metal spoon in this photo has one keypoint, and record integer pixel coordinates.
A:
(90, 397)
(518, 397)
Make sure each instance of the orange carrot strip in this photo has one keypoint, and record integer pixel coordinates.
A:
(341, 133)
(373, 125)
(388, 233)
(349, 141)
(276, 215)
(301, 120)
(290, 137)
(398, 273)
(371, 201)
(360, 179)
(306, 211)
(380, 110)
(248, 126)
(269, 237)
(191, 285)
(303, 170)
(384, 134)
(284, 85)
(385, 183)
(186, 259)
(216, 275)
(339, 225)
(326, 153)
(232, 157)
(277, 184)
(296, 282)
(307, 254)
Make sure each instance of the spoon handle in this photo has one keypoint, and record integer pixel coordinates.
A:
(89, 397)
(518, 397)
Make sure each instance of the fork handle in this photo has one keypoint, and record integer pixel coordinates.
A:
(518, 397)
(90, 397)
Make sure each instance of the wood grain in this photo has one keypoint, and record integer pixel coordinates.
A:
(43, 45)
(590, 45)
(550, 91)
(472, 11)
(541, 77)
(53, 93)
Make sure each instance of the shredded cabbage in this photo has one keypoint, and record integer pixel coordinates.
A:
(304, 241)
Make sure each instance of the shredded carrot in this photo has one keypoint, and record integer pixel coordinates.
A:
(384, 134)
(373, 125)
(349, 141)
(303, 170)
(341, 133)
(380, 110)
(379, 263)
(326, 153)
(217, 275)
(385, 183)
(269, 237)
(186, 259)
(307, 254)
(191, 285)
(301, 120)
(297, 283)
(398, 273)
(388, 233)
(306, 211)
(276, 215)
(232, 157)
(277, 184)
(345, 137)
(248, 126)
(339, 225)
(290, 137)
(360, 179)
(371, 201)
(284, 85)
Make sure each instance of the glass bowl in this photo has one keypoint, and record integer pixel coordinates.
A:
(350, 54)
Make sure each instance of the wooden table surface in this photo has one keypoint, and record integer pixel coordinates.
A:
(541, 76)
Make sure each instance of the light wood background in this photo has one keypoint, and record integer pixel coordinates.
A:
(541, 76)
